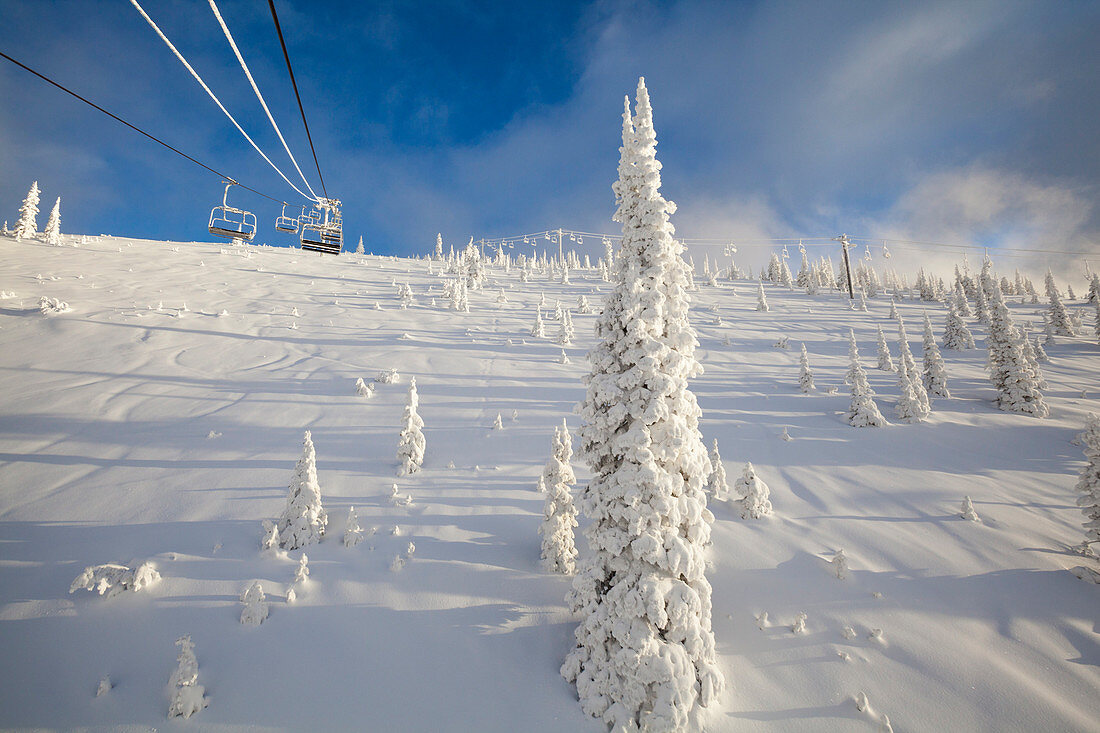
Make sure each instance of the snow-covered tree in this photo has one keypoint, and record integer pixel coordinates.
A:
(304, 520)
(1094, 289)
(761, 301)
(1057, 314)
(53, 224)
(862, 411)
(967, 510)
(885, 362)
(359, 247)
(982, 292)
(1096, 323)
(955, 333)
(255, 605)
(907, 370)
(111, 578)
(1017, 385)
(27, 226)
(716, 482)
(353, 533)
(559, 515)
(645, 653)
(411, 444)
(909, 406)
(188, 696)
(565, 330)
(582, 305)
(539, 329)
(755, 500)
(1088, 484)
(438, 254)
(934, 376)
(962, 305)
(805, 375)
(894, 309)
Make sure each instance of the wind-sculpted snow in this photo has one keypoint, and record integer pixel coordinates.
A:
(170, 435)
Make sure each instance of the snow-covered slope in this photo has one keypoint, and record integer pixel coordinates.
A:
(160, 419)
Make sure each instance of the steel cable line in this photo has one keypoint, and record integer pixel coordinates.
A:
(212, 95)
(294, 83)
(247, 73)
(157, 140)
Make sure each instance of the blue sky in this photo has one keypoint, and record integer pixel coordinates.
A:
(953, 121)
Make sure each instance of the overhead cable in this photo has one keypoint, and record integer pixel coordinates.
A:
(157, 140)
(256, 89)
(212, 95)
(282, 42)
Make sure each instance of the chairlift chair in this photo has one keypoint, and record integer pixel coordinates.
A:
(286, 223)
(324, 230)
(232, 223)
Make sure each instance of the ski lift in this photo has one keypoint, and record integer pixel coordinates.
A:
(885, 252)
(526, 240)
(286, 223)
(324, 230)
(229, 222)
(867, 252)
(786, 255)
(801, 248)
(580, 239)
(729, 250)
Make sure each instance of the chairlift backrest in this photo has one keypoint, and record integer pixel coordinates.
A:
(286, 223)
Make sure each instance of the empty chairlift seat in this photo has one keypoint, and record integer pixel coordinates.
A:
(324, 230)
(230, 222)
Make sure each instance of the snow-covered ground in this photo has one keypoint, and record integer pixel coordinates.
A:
(159, 419)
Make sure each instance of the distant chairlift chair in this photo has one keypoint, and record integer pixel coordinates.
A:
(231, 223)
(286, 223)
(324, 230)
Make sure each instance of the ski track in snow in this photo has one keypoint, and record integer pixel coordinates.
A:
(130, 433)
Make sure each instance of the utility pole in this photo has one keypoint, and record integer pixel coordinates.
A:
(845, 243)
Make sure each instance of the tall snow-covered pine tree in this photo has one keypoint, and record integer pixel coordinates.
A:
(645, 652)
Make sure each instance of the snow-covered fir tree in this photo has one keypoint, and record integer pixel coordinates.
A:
(411, 444)
(755, 499)
(1057, 314)
(255, 605)
(53, 224)
(862, 410)
(559, 515)
(645, 570)
(909, 406)
(1031, 359)
(565, 330)
(885, 362)
(907, 370)
(967, 510)
(805, 375)
(438, 254)
(716, 482)
(982, 291)
(27, 225)
(1096, 322)
(1094, 289)
(539, 329)
(359, 247)
(955, 333)
(353, 533)
(1088, 483)
(761, 300)
(188, 696)
(934, 375)
(304, 520)
(583, 306)
(1017, 385)
(893, 308)
(962, 305)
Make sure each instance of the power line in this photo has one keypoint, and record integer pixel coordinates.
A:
(297, 96)
(247, 73)
(135, 128)
(212, 95)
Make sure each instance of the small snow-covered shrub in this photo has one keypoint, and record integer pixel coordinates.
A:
(255, 605)
(110, 579)
(48, 305)
(805, 374)
(353, 533)
(187, 694)
(755, 503)
(968, 512)
(363, 389)
(388, 376)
